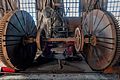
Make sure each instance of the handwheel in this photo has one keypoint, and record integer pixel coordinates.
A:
(101, 34)
(17, 34)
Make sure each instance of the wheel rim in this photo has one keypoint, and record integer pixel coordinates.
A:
(18, 27)
(101, 51)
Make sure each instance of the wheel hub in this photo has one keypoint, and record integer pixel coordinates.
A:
(91, 39)
(28, 40)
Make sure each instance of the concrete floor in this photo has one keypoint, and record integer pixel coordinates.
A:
(53, 67)
(68, 76)
(51, 71)
(68, 67)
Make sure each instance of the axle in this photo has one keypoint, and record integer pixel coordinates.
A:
(60, 40)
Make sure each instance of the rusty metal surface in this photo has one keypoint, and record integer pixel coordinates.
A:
(61, 39)
(105, 29)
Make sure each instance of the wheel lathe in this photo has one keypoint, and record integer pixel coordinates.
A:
(97, 39)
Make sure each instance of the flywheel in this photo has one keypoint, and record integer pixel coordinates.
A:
(17, 39)
(102, 39)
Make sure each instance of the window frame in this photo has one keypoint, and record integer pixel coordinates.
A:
(30, 7)
(114, 7)
(73, 12)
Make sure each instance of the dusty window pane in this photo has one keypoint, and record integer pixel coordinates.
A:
(113, 6)
(71, 8)
(29, 6)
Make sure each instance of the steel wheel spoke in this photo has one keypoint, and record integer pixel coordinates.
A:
(96, 18)
(105, 46)
(14, 27)
(91, 24)
(23, 17)
(33, 29)
(12, 40)
(96, 51)
(12, 44)
(99, 23)
(14, 35)
(106, 38)
(85, 24)
(85, 27)
(104, 28)
(105, 42)
(20, 23)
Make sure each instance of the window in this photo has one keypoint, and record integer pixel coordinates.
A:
(29, 6)
(72, 8)
(114, 7)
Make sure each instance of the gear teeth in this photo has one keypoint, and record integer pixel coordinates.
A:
(8, 58)
(2, 26)
(117, 55)
(115, 59)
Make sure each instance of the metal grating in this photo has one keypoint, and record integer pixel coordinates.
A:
(113, 6)
(29, 6)
(72, 8)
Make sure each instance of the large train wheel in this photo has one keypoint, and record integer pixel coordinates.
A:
(102, 39)
(17, 40)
